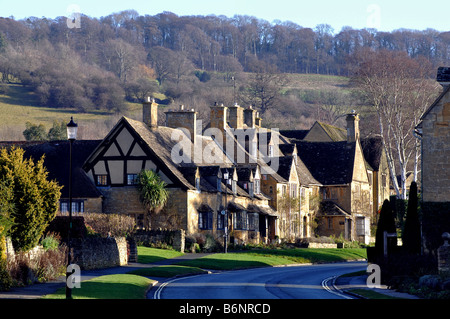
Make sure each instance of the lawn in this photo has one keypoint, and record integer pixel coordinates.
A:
(123, 286)
(274, 257)
(168, 271)
(147, 255)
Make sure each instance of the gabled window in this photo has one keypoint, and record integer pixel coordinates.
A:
(240, 220)
(253, 221)
(205, 220)
(270, 151)
(219, 185)
(257, 186)
(233, 186)
(250, 189)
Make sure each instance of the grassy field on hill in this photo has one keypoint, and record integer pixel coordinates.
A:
(18, 104)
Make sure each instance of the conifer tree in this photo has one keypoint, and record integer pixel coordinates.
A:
(385, 223)
(411, 234)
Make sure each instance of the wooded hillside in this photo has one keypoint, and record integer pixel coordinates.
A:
(196, 60)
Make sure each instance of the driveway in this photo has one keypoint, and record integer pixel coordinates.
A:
(296, 282)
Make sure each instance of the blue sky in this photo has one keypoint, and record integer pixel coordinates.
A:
(384, 15)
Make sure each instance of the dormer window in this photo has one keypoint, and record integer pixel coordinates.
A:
(257, 186)
(219, 185)
(233, 187)
(251, 190)
(254, 149)
(270, 151)
(197, 183)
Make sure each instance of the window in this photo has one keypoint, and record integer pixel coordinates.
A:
(220, 221)
(197, 183)
(240, 220)
(253, 221)
(360, 229)
(250, 189)
(270, 151)
(257, 186)
(102, 180)
(330, 223)
(219, 185)
(233, 187)
(132, 179)
(293, 190)
(205, 220)
(77, 206)
(254, 149)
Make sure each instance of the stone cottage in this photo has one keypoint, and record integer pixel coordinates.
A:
(433, 131)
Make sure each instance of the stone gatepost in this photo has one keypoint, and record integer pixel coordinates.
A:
(444, 255)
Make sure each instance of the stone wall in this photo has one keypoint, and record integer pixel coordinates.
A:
(174, 238)
(97, 253)
(122, 200)
(436, 152)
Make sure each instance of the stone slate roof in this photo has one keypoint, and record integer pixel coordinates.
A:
(57, 163)
(330, 163)
(335, 133)
(372, 149)
(330, 208)
(294, 134)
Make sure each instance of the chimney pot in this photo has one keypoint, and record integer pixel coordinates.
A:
(352, 127)
(150, 113)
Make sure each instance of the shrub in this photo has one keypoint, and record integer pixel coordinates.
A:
(35, 198)
(50, 242)
(116, 225)
(5, 278)
(48, 265)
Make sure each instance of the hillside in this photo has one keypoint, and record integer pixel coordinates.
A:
(306, 98)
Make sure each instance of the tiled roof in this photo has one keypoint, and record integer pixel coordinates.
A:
(330, 163)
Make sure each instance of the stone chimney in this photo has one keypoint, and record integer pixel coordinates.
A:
(352, 127)
(183, 118)
(236, 117)
(258, 120)
(150, 113)
(218, 117)
(443, 76)
(250, 117)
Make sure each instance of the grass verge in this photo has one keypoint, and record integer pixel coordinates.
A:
(168, 271)
(147, 255)
(273, 257)
(122, 286)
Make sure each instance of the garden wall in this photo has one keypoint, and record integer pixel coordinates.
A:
(97, 252)
(174, 238)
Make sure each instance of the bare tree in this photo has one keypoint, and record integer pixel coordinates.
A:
(399, 88)
(264, 86)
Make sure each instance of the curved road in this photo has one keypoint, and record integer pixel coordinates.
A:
(296, 282)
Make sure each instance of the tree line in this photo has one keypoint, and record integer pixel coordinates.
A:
(95, 65)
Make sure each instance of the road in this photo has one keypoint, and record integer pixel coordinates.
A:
(296, 282)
